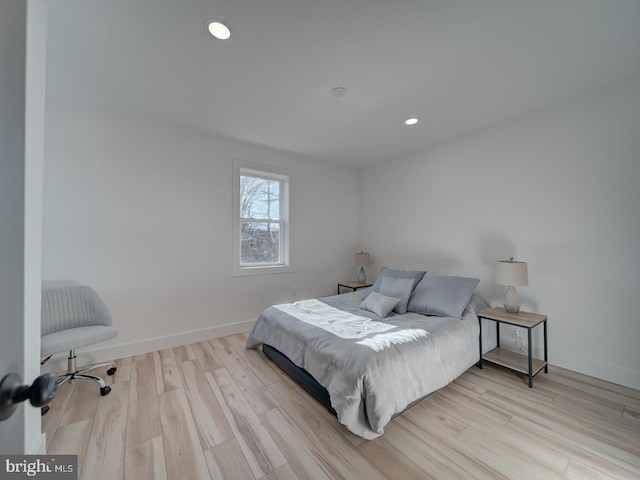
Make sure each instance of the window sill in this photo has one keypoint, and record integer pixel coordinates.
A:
(239, 271)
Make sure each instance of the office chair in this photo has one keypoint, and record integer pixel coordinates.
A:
(73, 317)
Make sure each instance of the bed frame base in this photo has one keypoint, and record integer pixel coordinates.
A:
(300, 376)
(307, 382)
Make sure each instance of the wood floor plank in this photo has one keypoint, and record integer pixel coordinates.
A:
(183, 454)
(563, 440)
(144, 417)
(492, 377)
(529, 404)
(123, 372)
(283, 473)
(183, 353)
(57, 407)
(261, 451)
(206, 356)
(251, 387)
(462, 382)
(601, 388)
(512, 457)
(390, 461)
(143, 356)
(587, 398)
(237, 342)
(83, 402)
(589, 435)
(632, 414)
(211, 423)
(437, 452)
(104, 458)
(220, 342)
(422, 454)
(472, 409)
(454, 411)
(612, 422)
(72, 439)
(342, 455)
(449, 447)
(145, 461)
(577, 471)
(227, 461)
(261, 366)
(167, 372)
(303, 456)
(428, 409)
(295, 398)
(514, 442)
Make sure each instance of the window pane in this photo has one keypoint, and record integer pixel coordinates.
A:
(261, 228)
(260, 242)
(259, 198)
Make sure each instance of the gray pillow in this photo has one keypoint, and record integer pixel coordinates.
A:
(398, 288)
(442, 296)
(388, 272)
(379, 304)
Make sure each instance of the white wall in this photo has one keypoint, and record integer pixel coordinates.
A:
(142, 212)
(558, 188)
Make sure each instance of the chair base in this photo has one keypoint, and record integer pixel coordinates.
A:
(74, 373)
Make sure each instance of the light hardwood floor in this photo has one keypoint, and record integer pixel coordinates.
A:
(215, 410)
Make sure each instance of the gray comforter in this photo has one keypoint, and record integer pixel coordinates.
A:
(369, 385)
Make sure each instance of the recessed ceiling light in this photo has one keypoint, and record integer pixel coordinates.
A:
(218, 29)
(338, 92)
(411, 121)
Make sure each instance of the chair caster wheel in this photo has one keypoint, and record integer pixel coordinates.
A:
(105, 390)
(44, 410)
(112, 370)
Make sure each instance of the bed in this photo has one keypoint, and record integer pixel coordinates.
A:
(368, 363)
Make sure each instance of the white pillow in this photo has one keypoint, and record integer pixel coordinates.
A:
(379, 304)
(398, 288)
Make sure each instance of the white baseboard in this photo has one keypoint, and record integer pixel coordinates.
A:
(587, 366)
(103, 354)
(604, 371)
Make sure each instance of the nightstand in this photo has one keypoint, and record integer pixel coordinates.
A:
(353, 285)
(515, 361)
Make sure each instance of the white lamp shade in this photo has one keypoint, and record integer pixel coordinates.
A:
(512, 273)
(362, 260)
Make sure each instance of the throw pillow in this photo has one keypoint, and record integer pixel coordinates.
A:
(398, 288)
(379, 304)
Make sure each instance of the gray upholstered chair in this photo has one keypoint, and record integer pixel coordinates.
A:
(73, 317)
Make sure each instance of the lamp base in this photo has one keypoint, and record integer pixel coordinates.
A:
(511, 300)
(362, 278)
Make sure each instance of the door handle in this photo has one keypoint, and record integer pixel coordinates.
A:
(12, 392)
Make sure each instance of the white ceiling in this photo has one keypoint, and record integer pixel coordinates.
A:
(458, 65)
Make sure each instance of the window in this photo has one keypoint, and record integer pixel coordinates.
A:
(261, 220)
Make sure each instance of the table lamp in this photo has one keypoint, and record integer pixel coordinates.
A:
(362, 260)
(512, 274)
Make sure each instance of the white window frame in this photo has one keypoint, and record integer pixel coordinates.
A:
(241, 167)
